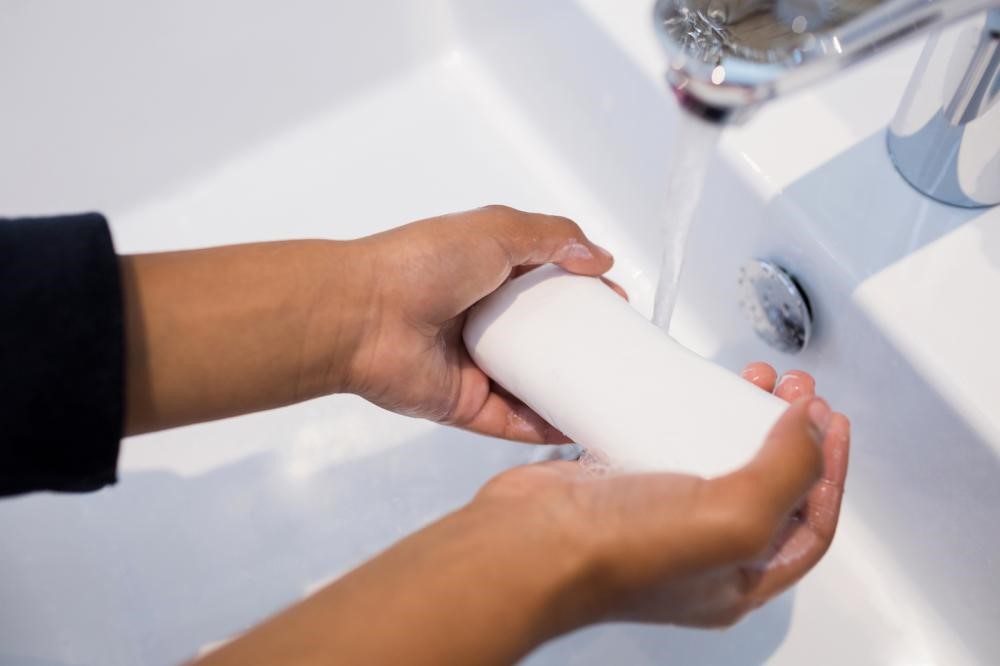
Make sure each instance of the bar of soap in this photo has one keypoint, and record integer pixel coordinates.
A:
(595, 368)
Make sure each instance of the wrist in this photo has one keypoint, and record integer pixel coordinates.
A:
(338, 307)
(482, 585)
(553, 559)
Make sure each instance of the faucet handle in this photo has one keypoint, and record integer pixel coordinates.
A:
(945, 137)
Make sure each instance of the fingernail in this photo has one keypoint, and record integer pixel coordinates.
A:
(819, 417)
(577, 251)
(601, 251)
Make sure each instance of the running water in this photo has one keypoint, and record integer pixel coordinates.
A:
(694, 147)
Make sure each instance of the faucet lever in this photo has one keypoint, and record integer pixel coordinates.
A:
(945, 137)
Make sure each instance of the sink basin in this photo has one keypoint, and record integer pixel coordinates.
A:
(194, 124)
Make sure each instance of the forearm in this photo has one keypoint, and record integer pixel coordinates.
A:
(469, 589)
(229, 330)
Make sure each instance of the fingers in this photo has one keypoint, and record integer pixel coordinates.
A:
(532, 238)
(615, 287)
(808, 537)
(760, 375)
(790, 461)
(506, 417)
(486, 408)
(837, 450)
(822, 508)
(794, 384)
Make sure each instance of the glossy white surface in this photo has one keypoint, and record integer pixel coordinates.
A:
(193, 123)
(608, 378)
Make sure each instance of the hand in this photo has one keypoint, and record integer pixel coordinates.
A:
(684, 550)
(545, 549)
(224, 331)
(420, 281)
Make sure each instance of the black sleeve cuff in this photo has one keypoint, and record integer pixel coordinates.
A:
(61, 354)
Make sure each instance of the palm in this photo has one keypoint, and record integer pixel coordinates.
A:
(632, 509)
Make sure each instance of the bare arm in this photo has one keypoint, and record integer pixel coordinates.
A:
(229, 330)
(543, 550)
(224, 331)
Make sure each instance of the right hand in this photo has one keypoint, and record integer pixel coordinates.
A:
(418, 282)
(680, 549)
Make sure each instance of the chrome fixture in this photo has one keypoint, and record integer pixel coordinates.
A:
(775, 305)
(727, 57)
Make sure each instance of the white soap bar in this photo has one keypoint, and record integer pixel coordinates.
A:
(593, 367)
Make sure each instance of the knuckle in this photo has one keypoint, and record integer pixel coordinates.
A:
(504, 220)
(567, 226)
(500, 212)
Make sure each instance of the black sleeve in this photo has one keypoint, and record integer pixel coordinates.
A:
(61, 354)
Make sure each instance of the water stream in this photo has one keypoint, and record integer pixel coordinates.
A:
(694, 147)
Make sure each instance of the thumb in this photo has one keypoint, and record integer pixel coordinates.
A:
(791, 459)
(531, 238)
(750, 505)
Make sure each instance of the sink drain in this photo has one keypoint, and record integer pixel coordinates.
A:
(775, 305)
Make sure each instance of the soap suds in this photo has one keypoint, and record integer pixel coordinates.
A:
(594, 463)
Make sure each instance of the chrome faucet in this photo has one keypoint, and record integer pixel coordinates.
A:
(728, 57)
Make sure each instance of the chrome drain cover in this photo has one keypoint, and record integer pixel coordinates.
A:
(775, 305)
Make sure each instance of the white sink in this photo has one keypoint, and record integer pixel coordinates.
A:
(197, 123)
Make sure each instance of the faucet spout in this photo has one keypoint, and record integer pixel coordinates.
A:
(723, 66)
(726, 58)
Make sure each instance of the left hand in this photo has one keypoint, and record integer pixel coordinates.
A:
(545, 549)
(658, 530)
(421, 279)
